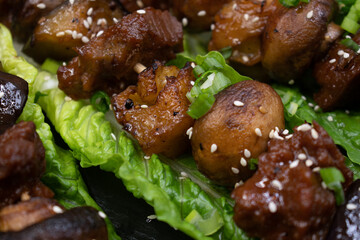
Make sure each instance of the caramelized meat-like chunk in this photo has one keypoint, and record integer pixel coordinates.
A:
(70, 26)
(23, 214)
(293, 36)
(81, 223)
(22, 163)
(154, 112)
(285, 198)
(240, 24)
(231, 126)
(199, 13)
(132, 6)
(339, 77)
(110, 58)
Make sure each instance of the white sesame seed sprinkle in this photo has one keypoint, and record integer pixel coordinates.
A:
(152, 217)
(302, 156)
(71, 2)
(291, 82)
(99, 33)
(258, 132)
(192, 83)
(69, 32)
(346, 55)
(238, 184)
(85, 39)
(238, 103)
(332, 60)
(64, 64)
(193, 65)
(243, 162)
(294, 164)
(89, 20)
(74, 34)
(255, 19)
(246, 16)
(2, 94)
(285, 132)
(272, 207)
(235, 170)
(102, 214)
(79, 35)
(184, 22)
(115, 20)
(271, 134)
(347, 36)
(245, 58)
(86, 24)
(90, 11)
(310, 14)
(317, 108)
(351, 206)
(113, 136)
(314, 134)
(330, 118)
(347, 112)
(289, 136)
(68, 99)
(213, 148)
(323, 185)
(183, 174)
(201, 13)
(212, 27)
(234, 6)
(277, 136)
(146, 157)
(57, 209)
(310, 104)
(247, 153)
(144, 106)
(60, 34)
(340, 52)
(41, 6)
(276, 184)
(309, 163)
(141, 11)
(316, 169)
(139, 3)
(303, 97)
(304, 127)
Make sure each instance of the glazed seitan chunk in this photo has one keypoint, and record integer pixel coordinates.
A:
(107, 62)
(133, 5)
(154, 112)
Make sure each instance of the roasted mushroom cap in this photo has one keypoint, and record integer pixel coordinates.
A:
(132, 5)
(293, 36)
(235, 130)
(154, 112)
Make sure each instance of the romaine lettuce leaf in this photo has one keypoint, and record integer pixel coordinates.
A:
(62, 174)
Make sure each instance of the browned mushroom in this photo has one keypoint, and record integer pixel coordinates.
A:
(133, 5)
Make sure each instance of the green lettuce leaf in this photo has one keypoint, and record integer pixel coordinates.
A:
(62, 174)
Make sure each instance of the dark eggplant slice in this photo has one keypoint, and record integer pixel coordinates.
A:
(13, 96)
(81, 223)
(345, 225)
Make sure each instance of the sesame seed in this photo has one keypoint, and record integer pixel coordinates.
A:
(90, 11)
(351, 206)
(272, 207)
(289, 136)
(235, 170)
(330, 118)
(89, 20)
(68, 99)
(310, 14)
(235, 41)
(243, 162)
(346, 55)
(57, 209)
(309, 163)
(258, 132)
(340, 52)
(294, 164)
(115, 20)
(310, 104)
(246, 16)
(79, 35)
(152, 217)
(238, 184)
(285, 132)
(74, 34)
(347, 111)
(193, 65)
(144, 106)
(141, 11)
(86, 24)
(316, 169)
(303, 97)
(201, 13)
(41, 6)
(183, 174)
(99, 33)
(139, 3)
(347, 36)
(69, 32)
(238, 103)
(101, 21)
(302, 156)
(247, 153)
(276, 184)
(261, 184)
(212, 27)
(189, 132)
(317, 108)
(192, 83)
(291, 82)
(255, 19)
(185, 22)
(332, 60)
(277, 136)
(85, 39)
(64, 64)
(304, 127)
(234, 6)
(71, 2)
(314, 134)
(277, 129)
(271, 134)
(113, 136)
(323, 185)
(102, 214)
(146, 157)
(213, 148)
(245, 58)
(60, 34)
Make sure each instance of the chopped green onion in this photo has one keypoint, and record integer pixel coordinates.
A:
(253, 163)
(202, 104)
(101, 101)
(207, 226)
(350, 22)
(50, 65)
(333, 178)
(289, 3)
(350, 44)
(226, 52)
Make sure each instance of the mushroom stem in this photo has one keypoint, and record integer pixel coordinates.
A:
(139, 68)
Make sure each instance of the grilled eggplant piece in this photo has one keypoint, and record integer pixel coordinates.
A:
(132, 5)
(199, 14)
(292, 37)
(70, 26)
(107, 62)
(240, 24)
(22, 163)
(81, 223)
(339, 77)
(154, 112)
(223, 139)
(14, 93)
(23, 214)
(285, 198)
